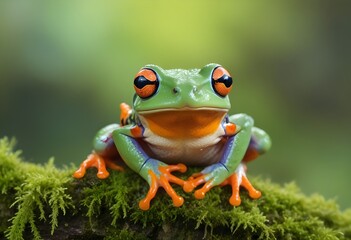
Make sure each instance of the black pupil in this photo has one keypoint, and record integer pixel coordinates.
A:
(141, 82)
(226, 80)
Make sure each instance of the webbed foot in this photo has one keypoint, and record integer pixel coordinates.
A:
(236, 180)
(163, 179)
(211, 176)
(95, 160)
(239, 179)
(196, 180)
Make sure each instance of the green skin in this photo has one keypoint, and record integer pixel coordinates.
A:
(179, 89)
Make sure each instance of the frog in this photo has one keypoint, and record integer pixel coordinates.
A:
(179, 119)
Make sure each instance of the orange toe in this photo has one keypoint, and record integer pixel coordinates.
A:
(235, 183)
(96, 161)
(194, 181)
(200, 194)
(111, 164)
(79, 173)
(235, 200)
(253, 193)
(103, 174)
(144, 204)
(164, 181)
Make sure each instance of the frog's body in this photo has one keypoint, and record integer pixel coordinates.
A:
(181, 117)
(186, 138)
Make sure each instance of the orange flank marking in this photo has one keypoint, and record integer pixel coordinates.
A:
(250, 155)
(230, 129)
(125, 112)
(94, 160)
(137, 131)
(234, 182)
(163, 181)
(182, 124)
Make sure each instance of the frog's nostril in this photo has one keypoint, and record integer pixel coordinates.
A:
(176, 90)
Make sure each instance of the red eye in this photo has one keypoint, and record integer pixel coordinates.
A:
(145, 83)
(222, 82)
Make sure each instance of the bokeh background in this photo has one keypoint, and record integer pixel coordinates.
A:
(66, 65)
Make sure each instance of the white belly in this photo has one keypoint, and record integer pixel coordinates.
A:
(194, 152)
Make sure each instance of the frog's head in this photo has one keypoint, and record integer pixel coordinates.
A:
(181, 103)
(159, 90)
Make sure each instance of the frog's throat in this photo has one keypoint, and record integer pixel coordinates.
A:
(184, 123)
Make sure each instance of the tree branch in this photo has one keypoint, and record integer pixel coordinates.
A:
(42, 201)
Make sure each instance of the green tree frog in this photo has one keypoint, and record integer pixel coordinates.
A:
(180, 118)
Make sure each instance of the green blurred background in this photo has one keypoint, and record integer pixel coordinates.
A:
(66, 65)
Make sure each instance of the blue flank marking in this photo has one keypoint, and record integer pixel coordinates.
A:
(225, 121)
(228, 150)
(254, 144)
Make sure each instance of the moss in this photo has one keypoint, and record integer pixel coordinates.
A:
(35, 189)
(40, 195)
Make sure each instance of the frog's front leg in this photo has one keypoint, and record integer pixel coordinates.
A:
(229, 169)
(156, 173)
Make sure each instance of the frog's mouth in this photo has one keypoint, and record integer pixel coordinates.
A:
(183, 122)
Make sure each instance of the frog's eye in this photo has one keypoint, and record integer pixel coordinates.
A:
(145, 83)
(221, 81)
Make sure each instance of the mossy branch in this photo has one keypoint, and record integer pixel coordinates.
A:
(43, 202)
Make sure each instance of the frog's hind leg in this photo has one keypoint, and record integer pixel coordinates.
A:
(259, 144)
(104, 154)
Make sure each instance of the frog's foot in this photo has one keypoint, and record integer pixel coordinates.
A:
(211, 176)
(95, 160)
(163, 180)
(196, 180)
(235, 180)
(239, 179)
